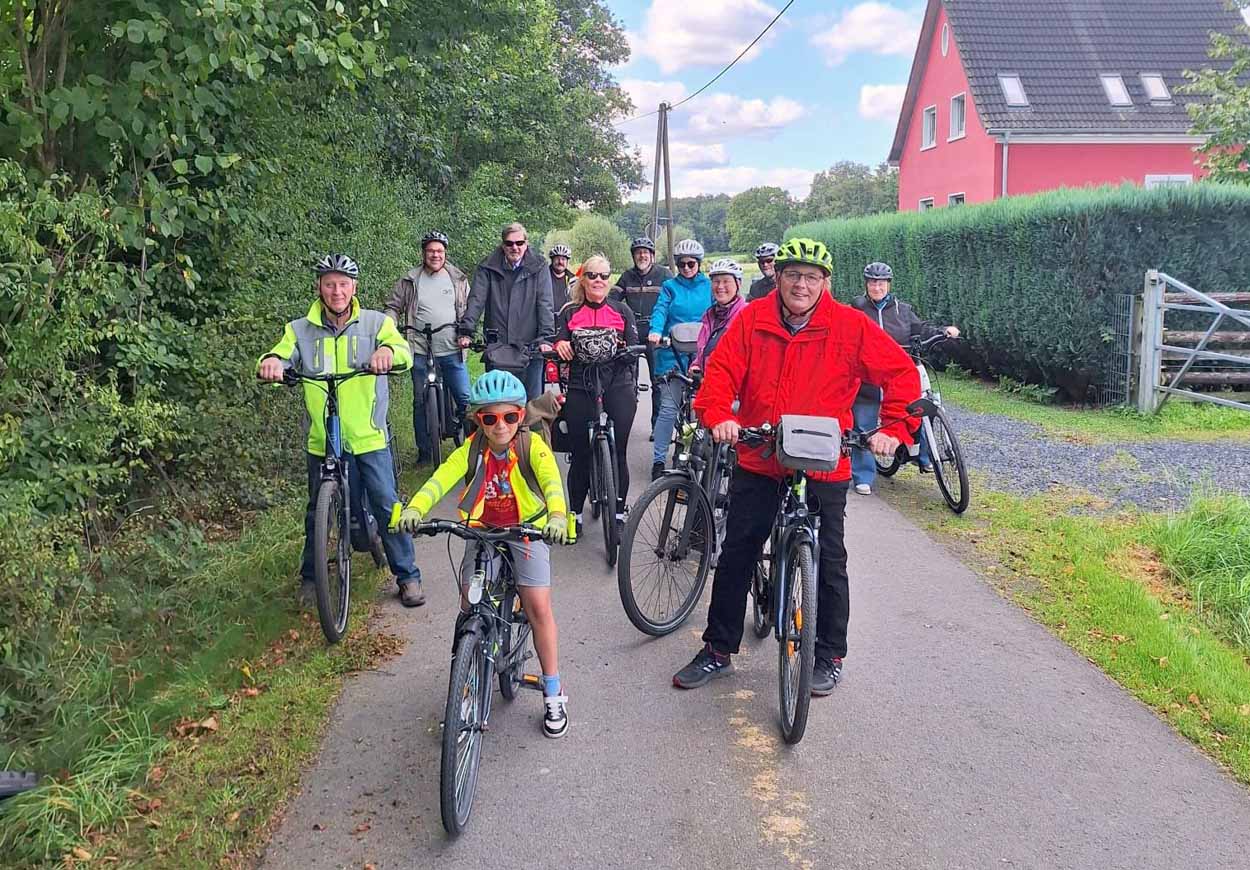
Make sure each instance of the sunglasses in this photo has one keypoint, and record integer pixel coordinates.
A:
(488, 419)
(601, 276)
(518, 244)
(766, 260)
(686, 264)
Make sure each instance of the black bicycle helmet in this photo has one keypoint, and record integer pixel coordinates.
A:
(434, 236)
(340, 263)
(642, 242)
(878, 272)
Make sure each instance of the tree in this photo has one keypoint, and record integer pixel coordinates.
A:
(1223, 117)
(758, 214)
(849, 189)
(594, 234)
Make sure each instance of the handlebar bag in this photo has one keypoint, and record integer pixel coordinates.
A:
(684, 337)
(594, 344)
(809, 443)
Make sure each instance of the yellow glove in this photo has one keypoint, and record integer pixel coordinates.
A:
(557, 529)
(409, 519)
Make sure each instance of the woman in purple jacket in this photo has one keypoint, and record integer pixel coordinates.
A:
(727, 303)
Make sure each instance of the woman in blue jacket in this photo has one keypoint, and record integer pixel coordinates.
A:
(683, 299)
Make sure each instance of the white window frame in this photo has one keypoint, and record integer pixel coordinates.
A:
(1164, 180)
(923, 116)
(1147, 79)
(1003, 79)
(926, 199)
(951, 120)
(950, 199)
(1112, 85)
(946, 38)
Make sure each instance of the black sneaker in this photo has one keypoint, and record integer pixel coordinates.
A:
(705, 666)
(657, 470)
(556, 717)
(826, 675)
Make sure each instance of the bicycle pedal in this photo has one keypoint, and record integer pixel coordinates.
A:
(530, 679)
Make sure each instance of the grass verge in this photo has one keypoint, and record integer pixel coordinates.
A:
(1104, 585)
(1180, 421)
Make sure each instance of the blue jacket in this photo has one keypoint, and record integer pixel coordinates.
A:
(682, 300)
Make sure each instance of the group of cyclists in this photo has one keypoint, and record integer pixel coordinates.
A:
(785, 347)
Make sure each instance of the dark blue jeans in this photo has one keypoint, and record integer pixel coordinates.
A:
(863, 465)
(455, 380)
(371, 474)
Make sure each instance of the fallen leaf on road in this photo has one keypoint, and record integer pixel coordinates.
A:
(209, 724)
(371, 867)
(81, 854)
(156, 774)
(250, 692)
(361, 828)
(293, 634)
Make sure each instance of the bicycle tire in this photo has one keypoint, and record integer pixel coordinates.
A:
(330, 517)
(512, 634)
(795, 662)
(377, 551)
(396, 463)
(454, 426)
(433, 425)
(607, 515)
(888, 469)
(631, 572)
(761, 598)
(462, 730)
(948, 462)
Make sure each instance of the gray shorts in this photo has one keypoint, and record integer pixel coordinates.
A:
(531, 563)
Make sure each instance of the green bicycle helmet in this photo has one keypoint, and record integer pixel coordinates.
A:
(806, 251)
(497, 387)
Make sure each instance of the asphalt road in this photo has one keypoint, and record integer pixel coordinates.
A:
(963, 736)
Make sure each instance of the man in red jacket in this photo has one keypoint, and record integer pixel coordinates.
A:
(797, 351)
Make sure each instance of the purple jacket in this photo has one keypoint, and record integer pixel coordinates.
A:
(714, 323)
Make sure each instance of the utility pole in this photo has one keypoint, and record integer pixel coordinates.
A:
(661, 156)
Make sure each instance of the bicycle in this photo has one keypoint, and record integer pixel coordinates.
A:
(945, 453)
(604, 475)
(675, 528)
(339, 524)
(493, 638)
(442, 419)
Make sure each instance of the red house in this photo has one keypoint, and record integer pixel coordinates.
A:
(1019, 96)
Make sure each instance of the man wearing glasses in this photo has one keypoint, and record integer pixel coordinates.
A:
(513, 288)
(797, 351)
(765, 257)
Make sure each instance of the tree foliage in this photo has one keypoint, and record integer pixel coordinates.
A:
(1223, 113)
(758, 214)
(849, 190)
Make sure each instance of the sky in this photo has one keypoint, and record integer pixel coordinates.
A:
(825, 84)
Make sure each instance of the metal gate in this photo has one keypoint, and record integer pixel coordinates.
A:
(1170, 360)
(1117, 387)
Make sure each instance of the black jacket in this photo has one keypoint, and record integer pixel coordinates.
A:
(560, 291)
(900, 322)
(640, 291)
(761, 287)
(516, 304)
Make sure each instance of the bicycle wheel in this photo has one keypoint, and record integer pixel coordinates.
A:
(887, 469)
(762, 595)
(607, 492)
(797, 649)
(393, 443)
(666, 552)
(948, 462)
(434, 425)
(463, 722)
(332, 559)
(716, 485)
(454, 426)
(515, 634)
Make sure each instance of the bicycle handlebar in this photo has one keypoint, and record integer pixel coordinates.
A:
(474, 533)
(426, 330)
(291, 377)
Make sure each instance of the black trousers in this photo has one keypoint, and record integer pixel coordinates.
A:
(753, 500)
(620, 403)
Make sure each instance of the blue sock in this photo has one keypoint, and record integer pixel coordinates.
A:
(551, 685)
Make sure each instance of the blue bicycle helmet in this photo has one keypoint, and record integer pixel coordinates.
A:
(497, 387)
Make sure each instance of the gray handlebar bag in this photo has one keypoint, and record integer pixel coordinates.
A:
(809, 443)
(684, 337)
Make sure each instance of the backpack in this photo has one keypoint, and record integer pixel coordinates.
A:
(477, 443)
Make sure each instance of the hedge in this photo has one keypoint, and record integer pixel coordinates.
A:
(1032, 280)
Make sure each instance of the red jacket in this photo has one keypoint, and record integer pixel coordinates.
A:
(818, 371)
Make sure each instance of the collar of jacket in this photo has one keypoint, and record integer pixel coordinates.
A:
(817, 326)
(530, 263)
(723, 312)
(691, 283)
(885, 301)
(315, 313)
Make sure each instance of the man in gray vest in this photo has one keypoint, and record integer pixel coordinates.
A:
(434, 293)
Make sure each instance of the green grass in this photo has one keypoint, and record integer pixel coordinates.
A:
(1098, 583)
(1183, 421)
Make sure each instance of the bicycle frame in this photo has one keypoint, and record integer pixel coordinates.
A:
(794, 520)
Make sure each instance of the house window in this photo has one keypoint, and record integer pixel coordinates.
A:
(1117, 93)
(1013, 91)
(959, 105)
(955, 199)
(1169, 180)
(946, 39)
(1156, 88)
(928, 133)
(926, 203)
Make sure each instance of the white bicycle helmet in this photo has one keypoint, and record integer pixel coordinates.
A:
(340, 263)
(726, 266)
(688, 248)
(768, 249)
(560, 251)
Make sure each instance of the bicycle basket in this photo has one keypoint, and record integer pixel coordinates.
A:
(685, 337)
(809, 443)
(594, 344)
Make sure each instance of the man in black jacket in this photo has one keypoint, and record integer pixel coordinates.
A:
(639, 287)
(513, 288)
(559, 257)
(765, 254)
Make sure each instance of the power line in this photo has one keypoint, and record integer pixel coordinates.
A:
(718, 75)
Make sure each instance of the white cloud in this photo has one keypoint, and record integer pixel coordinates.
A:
(685, 155)
(877, 28)
(881, 102)
(725, 115)
(647, 94)
(1245, 13)
(680, 33)
(735, 179)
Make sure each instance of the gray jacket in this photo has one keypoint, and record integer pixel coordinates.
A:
(516, 305)
(402, 304)
(900, 321)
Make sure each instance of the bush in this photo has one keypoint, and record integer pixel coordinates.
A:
(1032, 280)
(594, 234)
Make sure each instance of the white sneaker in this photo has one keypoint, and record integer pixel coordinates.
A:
(863, 489)
(556, 719)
